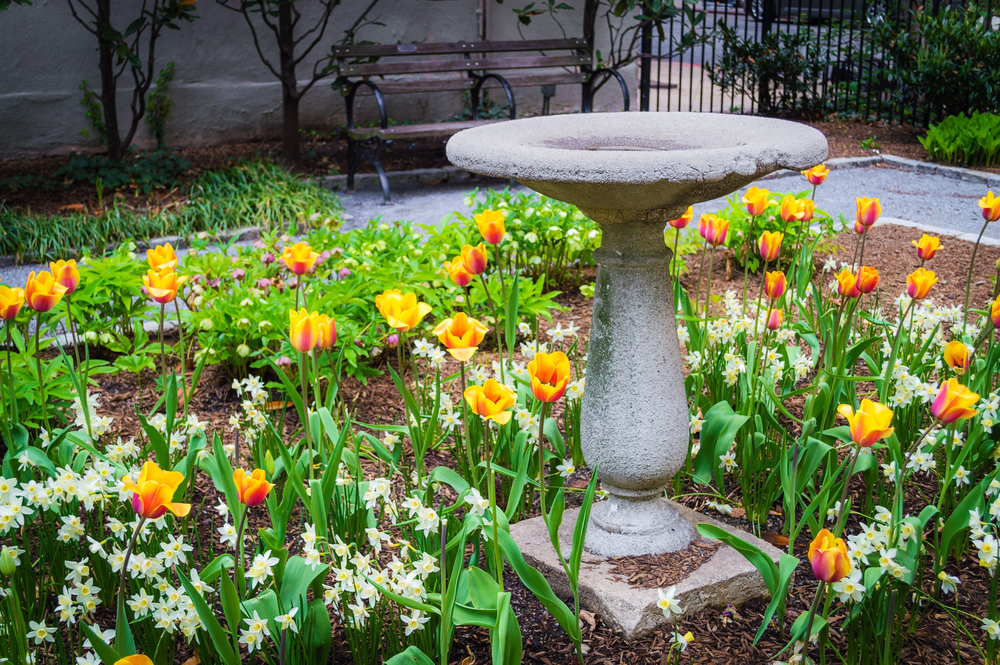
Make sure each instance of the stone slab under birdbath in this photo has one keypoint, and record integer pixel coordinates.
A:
(726, 578)
(632, 173)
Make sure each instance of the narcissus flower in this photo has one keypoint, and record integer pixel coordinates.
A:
(549, 374)
(713, 229)
(491, 401)
(869, 210)
(770, 245)
(775, 284)
(869, 423)
(153, 493)
(867, 279)
(43, 292)
(927, 247)
(919, 283)
(162, 285)
(327, 332)
(847, 284)
(995, 313)
(684, 219)
(956, 354)
(161, 256)
(303, 330)
(755, 200)
(790, 210)
(816, 175)
(774, 319)
(474, 258)
(461, 336)
(491, 226)
(828, 556)
(299, 257)
(67, 274)
(953, 402)
(252, 489)
(991, 207)
(138, 659)
(11, 301)
(402, 311)
(459, 274)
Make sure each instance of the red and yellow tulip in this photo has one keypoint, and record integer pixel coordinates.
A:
(303, 330)
(684, 219)
(491, 226)
(956, 355)
(953, 402)
(11, 301)
(867, 279)
(43, 292)
(756, 200)
(775, 284)
(860, 228)
(137, 659)
(828, 556)
(995, 313)
(161, 256)
(713, 229)
(153, 493)
(252, 489)
(299, 257)
(461, 336)
(491, 401)
(549, 374)
(919, 283)
(401, 310)
(816, 175)
(67, 274)
(459, 274)
(991, 207)
(162, 285)
(791, 210)
(807, 207)
(474, 258)
(869, 210)
(769, 245)
(927, 247)
(847, 284)
(869, 423)
(774, 319)
(327, 332)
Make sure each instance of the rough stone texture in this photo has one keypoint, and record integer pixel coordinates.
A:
(726, 578)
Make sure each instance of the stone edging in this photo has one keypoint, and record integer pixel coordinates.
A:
(370, 181)
(937, 230)
(930, 168)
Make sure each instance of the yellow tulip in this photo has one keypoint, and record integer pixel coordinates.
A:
(549, 374)
(327, 332)
(459, 274)
(775, 284)
(491, 401)
(828, 556)
(869, 210)
(11, 301)
(684, 219)
(816, 175)
(303, 331)
(919, 283)
(153, 494)
(474, 258)
(461, 336)
(161, 256)
(770, 245)
(137, 659)
(43, 292)
(252, 489)
(869, 423)
(953, 402)
(402, 311)
(956, 354)
(847, 284)
(756, 200)
(67, 274)
(791, 211)
(162, 285)
(299, 257)
(991, 207)
(491, 226)
(927, 247)
(867, 279)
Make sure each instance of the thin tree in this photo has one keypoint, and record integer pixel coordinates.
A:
(132, 51)
(295, 42)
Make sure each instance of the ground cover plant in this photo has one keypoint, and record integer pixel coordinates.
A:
(863, 419)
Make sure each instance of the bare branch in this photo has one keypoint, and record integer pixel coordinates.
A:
(91, 30)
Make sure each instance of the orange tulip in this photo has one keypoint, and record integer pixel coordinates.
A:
(549, 374)
(299, 257)
(775, 284)
(995, 313)
(491, 401)
(137, 659)
(869, 423)
(867, 279)
(491, 226)
(774, 319)
(956, 354)
(683, 220)
(770, 245)
(153, 494)
(927, 247)
(755, 200)
(816, 175)
(474, 258)
(869, 210)
(162, 285)
(953, 402)
(919, 283)
(11, 301)
(991, 207)
(807, 207)
(860, 228)
(828, 556)
(402, 311)
(252, 489)
(461, 336)
(791, 211)
(161, 256)
(303, 331)
(459, 274)
(327, 332)
(43, 292)
(67, 274)
(713, 229)
(847, 284)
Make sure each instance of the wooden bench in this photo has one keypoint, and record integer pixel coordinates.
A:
(472, 66)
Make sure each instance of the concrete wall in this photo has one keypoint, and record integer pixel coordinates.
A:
(222, 92)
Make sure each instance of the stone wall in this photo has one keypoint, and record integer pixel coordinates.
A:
(222, 92)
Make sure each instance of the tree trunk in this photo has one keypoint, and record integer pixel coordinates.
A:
(109, 93)
(290, 93)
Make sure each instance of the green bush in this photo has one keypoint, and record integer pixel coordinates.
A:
(962, 139)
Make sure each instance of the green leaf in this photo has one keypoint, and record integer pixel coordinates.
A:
(510, 318)
(786, 570)
(107, 655)
(124, 642)
(412, 656)
(211, 624)
(717, 436)
(160, 448)
(580, 530)
(750, 552)
(298, 578)
(231, 608)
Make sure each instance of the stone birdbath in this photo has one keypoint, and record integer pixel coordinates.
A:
(632, 173)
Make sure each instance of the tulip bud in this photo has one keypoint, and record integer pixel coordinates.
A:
(867, 279)
(770, 245)
(991, 207)
(474, 258)
(683, 220)
(956, 355)
(774, 319)
(927, 247)
(775, 284)
(995, 313)
(919, 283)
(816, 175)
(756, 200)
(954, 402)
(828, 556)
(869, 210)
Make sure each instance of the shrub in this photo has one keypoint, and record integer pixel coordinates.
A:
(965, 139)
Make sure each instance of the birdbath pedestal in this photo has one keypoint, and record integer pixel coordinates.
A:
(632, 173)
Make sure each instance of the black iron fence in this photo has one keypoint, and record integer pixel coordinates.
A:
(893, 60)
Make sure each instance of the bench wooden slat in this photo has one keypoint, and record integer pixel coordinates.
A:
(440, 85)
(487, 64)
(387, 50)
(415, 131)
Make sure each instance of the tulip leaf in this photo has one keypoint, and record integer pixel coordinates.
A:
(717, 436)
(958, 521)
(580, 530)
(510, 317)
(104, 651)
(231, 608)
(762, 562)
(159, 443)
(124, 642)
(211, 624)
(411, 656)
(786, 571)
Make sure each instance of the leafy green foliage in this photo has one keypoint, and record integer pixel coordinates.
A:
(961, 139)
(158, 104)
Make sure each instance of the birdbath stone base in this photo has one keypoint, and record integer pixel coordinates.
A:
(632, 173)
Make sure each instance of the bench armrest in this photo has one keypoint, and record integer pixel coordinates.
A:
(588, 88)
(379, 99)
(506, 89)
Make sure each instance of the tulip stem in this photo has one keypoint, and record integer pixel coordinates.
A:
(493, 504)
(305, 411)
(760, 293)
(121, 579)
(465, 419)
(10, 374)
(968, 280)
(708, 291)
(884, 392)
(820, 592)
(842, 517)
(676, 272)
(76, 354)
(541, 466)
(746, 262)
(183, 382)
(496, 323)
(241, 586)
(861, 259)
(38, 365)
(163, 360)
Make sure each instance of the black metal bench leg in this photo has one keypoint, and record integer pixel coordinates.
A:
(386, 196)
(352, 162)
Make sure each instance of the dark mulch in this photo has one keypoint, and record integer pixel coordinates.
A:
(658, 571)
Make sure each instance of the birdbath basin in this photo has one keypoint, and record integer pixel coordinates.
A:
(632, 173)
